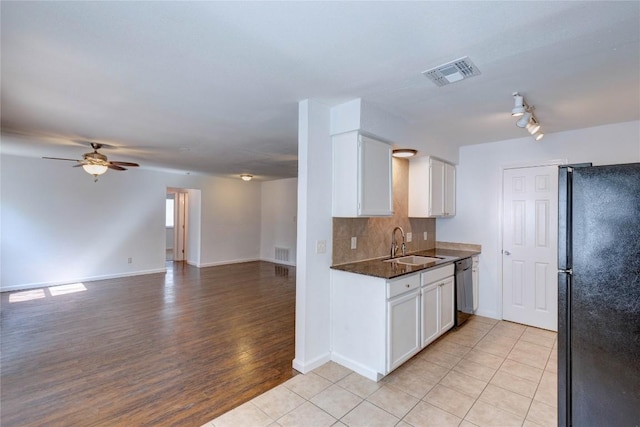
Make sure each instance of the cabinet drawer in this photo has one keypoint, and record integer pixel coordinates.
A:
(403, 284)
(436, 274)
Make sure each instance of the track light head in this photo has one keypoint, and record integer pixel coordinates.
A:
(535, 126)
(519, 109)
(524, 120)
(539, 136)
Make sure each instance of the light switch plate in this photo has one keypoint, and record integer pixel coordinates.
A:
(354, 242)
(321, 246)
(409, 237)
(425, 235)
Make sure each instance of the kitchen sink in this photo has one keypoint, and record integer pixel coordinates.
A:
(413, 260)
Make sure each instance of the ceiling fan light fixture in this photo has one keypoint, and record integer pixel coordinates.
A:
(404, 153)
(94, 169)
(246, 177)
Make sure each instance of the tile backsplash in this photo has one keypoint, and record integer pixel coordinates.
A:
(374, 234)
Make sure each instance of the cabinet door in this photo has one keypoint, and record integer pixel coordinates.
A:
(447, 309)
(436, 188)
(430, 313)
(449, 190)
(375, 196)
(403, 329)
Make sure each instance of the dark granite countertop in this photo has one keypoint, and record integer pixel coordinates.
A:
(389, 270)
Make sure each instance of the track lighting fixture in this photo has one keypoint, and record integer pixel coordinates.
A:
(526, 119)
(519, 109)
(533, 126)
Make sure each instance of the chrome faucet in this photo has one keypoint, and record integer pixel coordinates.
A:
(394, 243)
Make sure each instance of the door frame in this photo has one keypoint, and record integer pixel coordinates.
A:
(180, 223)
(556, 162)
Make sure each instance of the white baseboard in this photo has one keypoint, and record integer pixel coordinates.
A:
(274, 261)
(239, 261)
(26, 286)
(487, 313)
(231, 261)
(356, 367)
(309, 366)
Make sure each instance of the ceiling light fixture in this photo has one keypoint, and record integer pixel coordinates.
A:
(404, 153)
(95, 170)
(533, 126)
(518, 109)
(526, 119)
(246, 177)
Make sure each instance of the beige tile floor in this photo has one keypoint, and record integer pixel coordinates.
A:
(487, 373)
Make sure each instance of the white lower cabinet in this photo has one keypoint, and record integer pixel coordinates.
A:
(378, 324)
(437, 303)
(403, 317)
(430, 313)
(447, 307)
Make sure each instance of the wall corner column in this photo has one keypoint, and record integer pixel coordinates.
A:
(313, 304)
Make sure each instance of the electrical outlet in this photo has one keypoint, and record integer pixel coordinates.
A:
(409, 237)
(321, 246)
(129, 260)
(354, 242)
(425, 235)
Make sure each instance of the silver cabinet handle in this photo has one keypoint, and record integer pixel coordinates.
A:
(507, 253)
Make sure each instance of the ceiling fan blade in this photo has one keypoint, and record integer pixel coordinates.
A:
(58, 158)
(125, 164)
(116, 167)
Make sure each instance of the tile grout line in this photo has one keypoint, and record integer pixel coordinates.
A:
(477, 336)
(489, 381)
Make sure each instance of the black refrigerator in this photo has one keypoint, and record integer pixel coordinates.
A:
(599, 295)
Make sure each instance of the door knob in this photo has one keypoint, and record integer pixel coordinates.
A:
(507, 253)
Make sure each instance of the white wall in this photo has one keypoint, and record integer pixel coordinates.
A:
(479, 181)
(314, 223)
(230, 221)
(194, 221)
(58, 226)
(278, 219)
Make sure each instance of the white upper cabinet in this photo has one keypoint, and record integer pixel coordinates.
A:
(362, 176)
(432, 188)
(449, 189)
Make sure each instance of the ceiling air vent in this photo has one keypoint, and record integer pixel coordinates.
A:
(452, 72)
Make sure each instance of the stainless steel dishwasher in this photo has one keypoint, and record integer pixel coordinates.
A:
(464, 290)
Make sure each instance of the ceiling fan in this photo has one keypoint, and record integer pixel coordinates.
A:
(95, 163)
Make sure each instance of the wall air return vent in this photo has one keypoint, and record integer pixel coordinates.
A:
(452, 72)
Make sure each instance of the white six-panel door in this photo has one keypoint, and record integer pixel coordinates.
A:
(529, 246)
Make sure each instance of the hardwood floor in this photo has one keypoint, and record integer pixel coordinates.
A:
(174, 349)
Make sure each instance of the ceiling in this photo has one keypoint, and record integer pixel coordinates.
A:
(213, 87)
